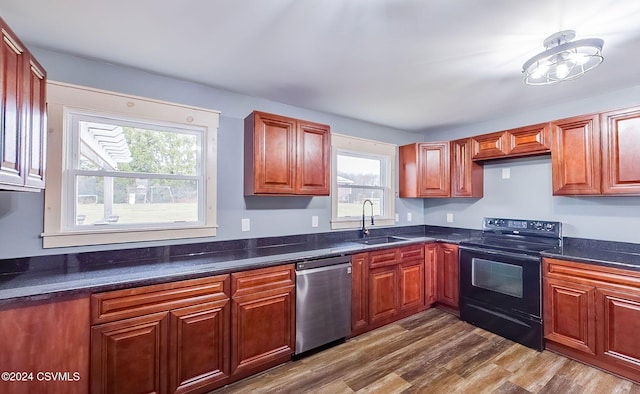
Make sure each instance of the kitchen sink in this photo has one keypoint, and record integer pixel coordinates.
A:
(380, 240)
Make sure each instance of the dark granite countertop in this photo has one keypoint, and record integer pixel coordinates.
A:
(611, 254)
(35, 278)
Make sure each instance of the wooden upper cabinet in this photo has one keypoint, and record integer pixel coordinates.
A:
(575, 156)
(523, 141)
(489, 146)
(529, 140)
(285, 156)
(22, 116)
(621, 151)
(424, 170)
(467, 176)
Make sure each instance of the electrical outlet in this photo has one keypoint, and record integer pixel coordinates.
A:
(409, 216)
(506, 173)
(397, 217)
(246, 224)
(449, 218)
(314, 221)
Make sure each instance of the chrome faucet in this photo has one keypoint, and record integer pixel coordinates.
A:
(365, 230)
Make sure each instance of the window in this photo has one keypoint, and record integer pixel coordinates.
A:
(126, 169)
(362, 170)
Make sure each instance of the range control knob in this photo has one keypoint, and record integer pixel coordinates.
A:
(537, 225)
(549, 226)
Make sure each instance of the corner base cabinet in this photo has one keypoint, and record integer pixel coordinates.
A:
(592, 314)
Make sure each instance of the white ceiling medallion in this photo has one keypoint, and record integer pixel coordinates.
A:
(563, 59)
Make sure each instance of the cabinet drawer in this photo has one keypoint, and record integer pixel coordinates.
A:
(590, 273)
(122, 304)
(413, 252)
(253, 281)
(382, 258)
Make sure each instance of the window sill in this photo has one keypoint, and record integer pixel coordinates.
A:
(113, 236)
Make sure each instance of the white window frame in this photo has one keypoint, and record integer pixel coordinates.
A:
(65, 99)
(347, 144)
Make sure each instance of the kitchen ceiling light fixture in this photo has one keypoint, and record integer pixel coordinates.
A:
(563, 59)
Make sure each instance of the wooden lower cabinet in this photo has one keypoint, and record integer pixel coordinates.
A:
(46, 336)
(592, 314)
(130, 356)
(192, 336)
(570, 308)
(263, 331)
(387, 285)
(430, 276)
(383, 294)
(199, 347)
(359, 293)
(447, 287)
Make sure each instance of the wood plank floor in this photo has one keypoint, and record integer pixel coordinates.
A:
(432, 352)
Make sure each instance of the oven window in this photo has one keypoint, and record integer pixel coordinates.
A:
(499, 277)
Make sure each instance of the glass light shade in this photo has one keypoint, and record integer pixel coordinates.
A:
(563, 60)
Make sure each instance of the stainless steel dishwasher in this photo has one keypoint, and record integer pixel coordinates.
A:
(323, 302)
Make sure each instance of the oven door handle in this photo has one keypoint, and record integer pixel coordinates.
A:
(501, 253)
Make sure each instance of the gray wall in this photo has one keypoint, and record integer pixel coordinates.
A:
(527, 194)
(21, 214)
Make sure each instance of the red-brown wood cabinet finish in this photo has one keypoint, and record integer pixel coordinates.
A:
(489, 146)
(447, 288)
(387, 285)
(621, 151)
(285, 156)
(359, 293)
(575, 156)
(171, 337)
(592, 314)
(467, 176)
(431, 252)
(41, 336)
(22, 115)
(424, 170)
(523, 141)
(263, 319)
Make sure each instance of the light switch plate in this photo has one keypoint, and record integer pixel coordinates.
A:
(409, 216)
(246, 224)
(397, 217)
(449, 218)
(506, 173)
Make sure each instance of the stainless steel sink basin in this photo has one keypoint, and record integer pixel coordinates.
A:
(380, 240)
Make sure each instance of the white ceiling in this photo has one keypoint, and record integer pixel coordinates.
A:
(408, 64)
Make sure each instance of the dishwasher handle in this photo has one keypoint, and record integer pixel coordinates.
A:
(323, 262)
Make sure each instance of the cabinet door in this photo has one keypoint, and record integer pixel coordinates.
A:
(430, 279)
(12, 98)
(490, 146)
(359, 293)
(411, 295)
(433, 169)
(575, 156)
(618, 327)
(467, 176)
(383, 294)
(35, 125)
(270, 154)
(621, 152)
(314, 159)
(569, 314)
(130, 356)
(529, 140)
(262, 331)
(447, 271)
(199, 347)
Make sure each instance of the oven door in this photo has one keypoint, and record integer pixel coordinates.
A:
(506, 281)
